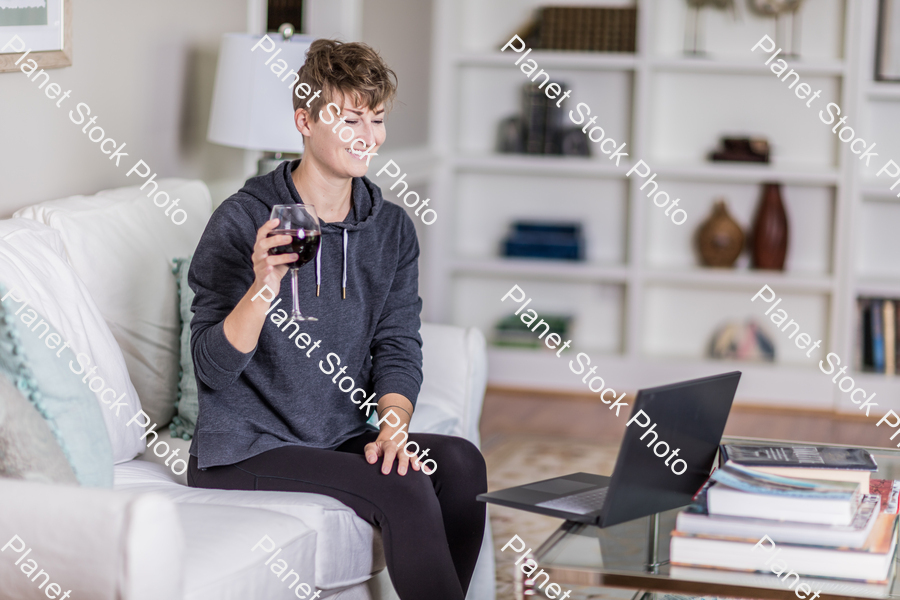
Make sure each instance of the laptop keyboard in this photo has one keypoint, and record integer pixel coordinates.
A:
(581, 504)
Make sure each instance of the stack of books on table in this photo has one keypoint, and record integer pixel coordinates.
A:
(806, 510)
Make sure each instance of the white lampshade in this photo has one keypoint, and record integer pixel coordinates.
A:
(252, 107)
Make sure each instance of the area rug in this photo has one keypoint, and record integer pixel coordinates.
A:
(516, 460)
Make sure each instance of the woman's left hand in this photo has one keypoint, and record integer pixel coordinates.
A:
(390, 449)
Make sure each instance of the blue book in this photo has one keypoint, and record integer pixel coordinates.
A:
(878, 335)
(531, 239)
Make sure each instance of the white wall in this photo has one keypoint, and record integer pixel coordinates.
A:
(400, 30)
(146, 70)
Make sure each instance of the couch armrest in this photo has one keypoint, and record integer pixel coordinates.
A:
(454, 377)
(476, 382)
(98, 543)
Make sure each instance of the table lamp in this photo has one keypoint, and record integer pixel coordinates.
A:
(252, 104)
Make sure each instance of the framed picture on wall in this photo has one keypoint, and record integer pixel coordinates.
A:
(887, 51)
(42, 26)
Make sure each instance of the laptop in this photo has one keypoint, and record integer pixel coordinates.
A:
(690, 416)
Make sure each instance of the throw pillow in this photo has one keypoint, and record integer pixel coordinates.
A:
(28, 360)
(34, 267)
(121, 245)
(188, 403)
(28, 449)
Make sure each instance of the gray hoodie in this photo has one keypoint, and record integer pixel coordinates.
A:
(285, 391)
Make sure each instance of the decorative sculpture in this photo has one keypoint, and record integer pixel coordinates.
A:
(769, 240)
(776, 8)
(720, 239)
(692, 24)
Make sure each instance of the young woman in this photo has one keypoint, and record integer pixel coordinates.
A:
(272, 415)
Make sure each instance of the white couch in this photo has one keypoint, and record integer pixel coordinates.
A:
(152, 537)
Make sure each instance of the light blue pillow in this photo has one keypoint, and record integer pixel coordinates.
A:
(59, 395)
(188, 404)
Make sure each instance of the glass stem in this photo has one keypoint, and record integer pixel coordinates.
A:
(295, 314)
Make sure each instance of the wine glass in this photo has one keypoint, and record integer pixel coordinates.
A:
(301, 223)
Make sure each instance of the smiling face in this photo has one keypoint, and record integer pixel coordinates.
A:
(328, 141)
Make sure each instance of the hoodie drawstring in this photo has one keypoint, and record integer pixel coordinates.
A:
(344, 281)
(319, 265)
(319, 269)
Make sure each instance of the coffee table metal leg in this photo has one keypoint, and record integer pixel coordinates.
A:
(653, 562)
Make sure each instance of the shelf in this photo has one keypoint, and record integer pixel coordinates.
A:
(550, 269)
(707, 65)
(561, 59)
(747, 173)
(880, 193)
(864, 377)
(551, 59)
(541, 352)
(883, 91)
(525, 164)
(887, 396)
(725, 365)
(761, 383)
(644, 308)
(729, 278)
(889, 288)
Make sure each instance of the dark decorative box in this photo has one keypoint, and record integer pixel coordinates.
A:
(749, 149)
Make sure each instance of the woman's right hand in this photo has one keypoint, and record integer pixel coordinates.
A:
(270, 269)
(243, 325)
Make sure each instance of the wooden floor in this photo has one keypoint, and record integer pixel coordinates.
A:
(585, 418)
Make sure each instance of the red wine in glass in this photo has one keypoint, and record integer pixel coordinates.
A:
(301, 223)
(304, 243)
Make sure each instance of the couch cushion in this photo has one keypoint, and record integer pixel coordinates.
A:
(348, 550)
(33, 265)
(121, 246)
(179, 447)
(221, 563)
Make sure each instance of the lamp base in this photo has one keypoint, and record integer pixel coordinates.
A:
(271, 160)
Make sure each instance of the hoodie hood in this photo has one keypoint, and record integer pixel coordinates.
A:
(277, 187)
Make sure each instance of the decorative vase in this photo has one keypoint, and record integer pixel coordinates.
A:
(719, 239)
(770, 230)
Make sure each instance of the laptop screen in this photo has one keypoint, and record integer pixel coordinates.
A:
(687, 417)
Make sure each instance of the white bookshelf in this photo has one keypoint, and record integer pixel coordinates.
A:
(644, 310)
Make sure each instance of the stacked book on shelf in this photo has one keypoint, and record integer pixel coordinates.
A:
(540, 129)
(542, 121)
(582, 28)
(815, 506)
(877, 335)
(544, 239)
(512, 332)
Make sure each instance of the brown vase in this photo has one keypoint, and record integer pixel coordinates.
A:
(719, 239)
(769, 240)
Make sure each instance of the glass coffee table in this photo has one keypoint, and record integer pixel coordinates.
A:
(635, 555)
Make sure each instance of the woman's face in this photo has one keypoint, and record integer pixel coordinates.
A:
(329, 144)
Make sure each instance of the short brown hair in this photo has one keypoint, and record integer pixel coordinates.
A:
(344, 69)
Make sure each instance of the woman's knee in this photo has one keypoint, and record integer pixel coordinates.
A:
(415, 487)
(459, 455)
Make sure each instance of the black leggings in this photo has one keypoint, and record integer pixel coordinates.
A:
(432, 526)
